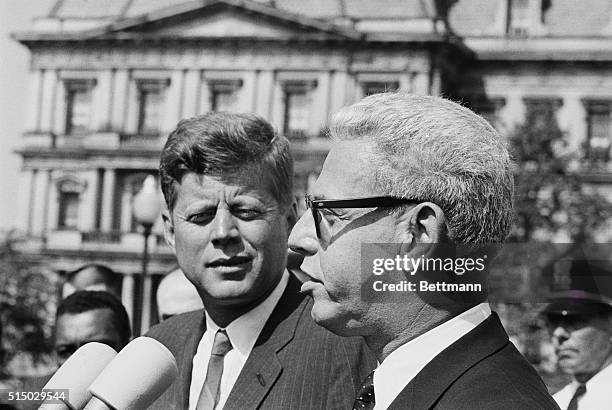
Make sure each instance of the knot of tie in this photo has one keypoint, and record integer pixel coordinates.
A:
(221, 344)
(365, 397)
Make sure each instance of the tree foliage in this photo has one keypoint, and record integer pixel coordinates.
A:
(27, 303)
(551, 197)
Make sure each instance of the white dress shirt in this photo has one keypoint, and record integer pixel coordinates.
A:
(597, 396)
(405, 362)
(243, 333)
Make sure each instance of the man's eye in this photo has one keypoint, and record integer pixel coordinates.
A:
(246, 213)
(201, 218)
(332, 215)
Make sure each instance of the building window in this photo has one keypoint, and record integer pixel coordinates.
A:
(69, 192)
(297, 104)
(68, 210)
(150, 105)
(599, 130)
(224, 94)
(78, 105)
(542, 112)
(376, 87)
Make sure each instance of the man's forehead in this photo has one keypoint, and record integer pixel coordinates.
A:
(95, 319)
(347, 171)
(239, 183)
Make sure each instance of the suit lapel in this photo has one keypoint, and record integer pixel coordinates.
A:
(430, 383)
(263, 366)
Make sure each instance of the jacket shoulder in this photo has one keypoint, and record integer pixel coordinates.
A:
(504, 380)
(173, 332)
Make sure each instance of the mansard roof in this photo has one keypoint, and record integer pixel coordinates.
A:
(560, 18)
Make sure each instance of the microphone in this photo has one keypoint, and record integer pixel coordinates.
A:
(77, 374)
(140, 373)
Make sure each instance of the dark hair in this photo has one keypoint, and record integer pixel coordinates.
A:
(87, 300)
(221, 143)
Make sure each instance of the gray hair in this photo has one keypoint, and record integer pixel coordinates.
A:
(432, 149)
(221, 143)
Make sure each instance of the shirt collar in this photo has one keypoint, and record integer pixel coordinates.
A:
(405, 362)
(244, 330)
(601, 378)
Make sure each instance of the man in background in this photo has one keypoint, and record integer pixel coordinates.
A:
(228, 184)
(175, 294)
(580, 321)
(84, 316)
(421, 179)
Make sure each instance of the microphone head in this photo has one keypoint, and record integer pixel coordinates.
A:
(79, 371)
(140, 373)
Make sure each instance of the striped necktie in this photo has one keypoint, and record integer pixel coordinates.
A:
(209, 395)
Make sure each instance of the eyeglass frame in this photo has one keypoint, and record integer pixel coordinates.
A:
(368, 202)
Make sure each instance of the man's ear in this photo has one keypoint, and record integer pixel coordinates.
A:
(168, 228)
(421, 226)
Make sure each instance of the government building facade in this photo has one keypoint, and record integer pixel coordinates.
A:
(110, 79)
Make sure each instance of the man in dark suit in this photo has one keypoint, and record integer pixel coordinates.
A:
(227, 182)
(412, 195)
(83, 317)
(579, 316)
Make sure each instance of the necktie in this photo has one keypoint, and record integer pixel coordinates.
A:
(365, 398)
(573, 404)
(209, 395)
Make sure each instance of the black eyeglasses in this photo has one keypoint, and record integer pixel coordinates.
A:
(372, 202)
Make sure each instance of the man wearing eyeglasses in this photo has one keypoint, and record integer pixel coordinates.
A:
(415, 178)
(579, 316)
(227, 180)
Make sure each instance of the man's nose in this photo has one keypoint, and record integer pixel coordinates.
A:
(224, 227)
(560, 335)
(303, 238)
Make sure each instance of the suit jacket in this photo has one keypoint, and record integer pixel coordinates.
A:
(294, 364)
(481, 370)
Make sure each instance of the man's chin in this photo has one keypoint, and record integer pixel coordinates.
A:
(329, 319)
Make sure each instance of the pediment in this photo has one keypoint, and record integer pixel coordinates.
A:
(223, 19)
(221, 24)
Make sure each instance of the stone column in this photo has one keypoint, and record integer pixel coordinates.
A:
(190, 93)
(53, 207)
(39, 202)
(35, 86)
(48, 100)
(101, 99)
(338, 90)
(420, 83)
(25, 199)
(265, 91)
(320, 103)
(121, 85)
(108, 193)
(248, 93)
